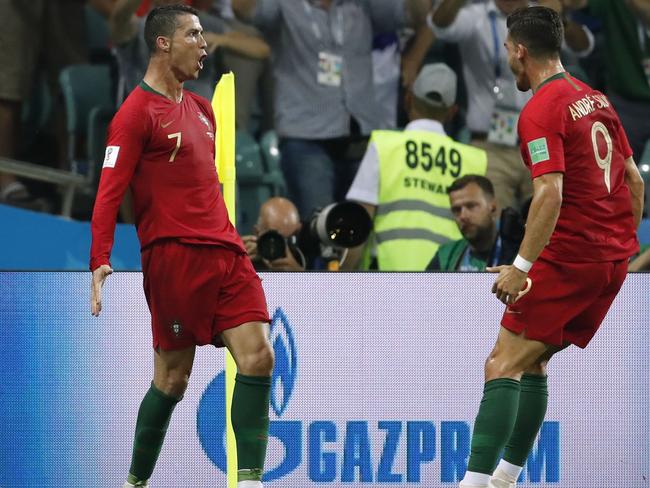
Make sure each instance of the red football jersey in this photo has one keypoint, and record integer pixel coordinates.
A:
(165, 152)
(569, 127)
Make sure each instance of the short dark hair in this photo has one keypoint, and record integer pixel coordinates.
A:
(484, 183)
(428, 111)
(540, 29)
(163, 21)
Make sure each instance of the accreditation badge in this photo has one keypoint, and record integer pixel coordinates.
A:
(503, 125)
(330, 67)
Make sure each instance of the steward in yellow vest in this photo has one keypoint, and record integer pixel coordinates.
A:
(413, 217)
(408, 173)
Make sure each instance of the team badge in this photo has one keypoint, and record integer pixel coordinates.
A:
(204, 119)
(176, 328)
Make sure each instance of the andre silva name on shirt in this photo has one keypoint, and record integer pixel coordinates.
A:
(587, 105)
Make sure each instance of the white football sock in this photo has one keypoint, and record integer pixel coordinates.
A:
(249, 484)
(475, 479)
(512, 471)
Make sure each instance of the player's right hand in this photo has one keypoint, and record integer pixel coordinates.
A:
(99, 276)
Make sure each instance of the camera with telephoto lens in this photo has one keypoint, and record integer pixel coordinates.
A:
(272, 245)
(339, 226)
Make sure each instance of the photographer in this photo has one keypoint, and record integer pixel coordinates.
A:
(474, 208)
(277, 215)
(283, 243)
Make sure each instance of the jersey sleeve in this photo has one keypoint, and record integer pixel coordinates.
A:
(127, 136)
(624, 143)
(541, 132)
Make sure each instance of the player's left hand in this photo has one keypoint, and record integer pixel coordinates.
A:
(510, 282)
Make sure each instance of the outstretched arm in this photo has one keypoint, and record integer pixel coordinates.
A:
(445, 14)
(577, 38)
(244, 9)
(413, 58)
(238, 42)
(122, 22)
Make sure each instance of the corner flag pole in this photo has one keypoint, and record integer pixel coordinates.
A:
(223, 105)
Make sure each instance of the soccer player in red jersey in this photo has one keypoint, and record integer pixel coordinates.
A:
(580, 232)
(200, 285)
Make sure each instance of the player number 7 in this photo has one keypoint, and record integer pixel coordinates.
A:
(177, 136)
(603, 163)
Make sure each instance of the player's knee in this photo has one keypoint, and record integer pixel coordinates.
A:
(539, 368)
(258, 362)
(174, 383)
(500, 367)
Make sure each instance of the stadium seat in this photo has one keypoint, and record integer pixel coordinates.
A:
(248, 159)
(252, 189)
(84, 87)
(269, 145)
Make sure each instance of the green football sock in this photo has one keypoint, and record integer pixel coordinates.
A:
(494, 424)
(533, 400)
(150, 429)
(250, 421)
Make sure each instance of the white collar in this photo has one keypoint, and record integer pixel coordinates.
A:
(427, 125)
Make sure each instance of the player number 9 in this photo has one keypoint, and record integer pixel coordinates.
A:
(603, 163)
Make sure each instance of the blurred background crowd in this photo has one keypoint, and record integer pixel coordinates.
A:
(314, 80)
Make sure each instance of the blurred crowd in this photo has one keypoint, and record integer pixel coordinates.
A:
(321, 76)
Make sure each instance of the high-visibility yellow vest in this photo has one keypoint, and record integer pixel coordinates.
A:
(413, 216)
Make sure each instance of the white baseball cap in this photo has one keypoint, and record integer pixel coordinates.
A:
(436, 85)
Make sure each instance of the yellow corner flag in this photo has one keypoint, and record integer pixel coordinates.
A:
(223, 105)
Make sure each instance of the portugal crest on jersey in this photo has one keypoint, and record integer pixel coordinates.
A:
(176, 328)
(204, 119)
